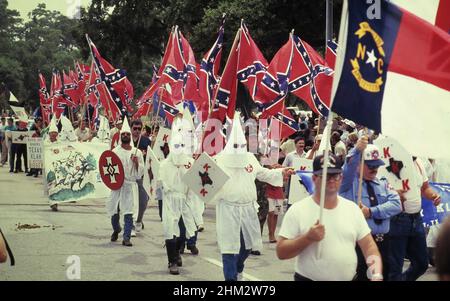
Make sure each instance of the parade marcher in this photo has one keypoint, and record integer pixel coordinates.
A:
(52, 138)
(115, 134)
(140, 142)
(177, 197)
(343, 226)
(379, 201)
(4, 147)
(263, 208)
(103, 133)
(19, 151)
(8, 134)
(443, 251)
(408, 233)
(37, 127)
(122, 200)
(338, 147)
(238, 229)
(83, 133)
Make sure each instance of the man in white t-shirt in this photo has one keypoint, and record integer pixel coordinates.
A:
(298, 153)
(407, 232)
(342, 228)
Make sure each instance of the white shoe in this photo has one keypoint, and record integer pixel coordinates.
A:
(240, 277)
(138, 227)
(133, 233)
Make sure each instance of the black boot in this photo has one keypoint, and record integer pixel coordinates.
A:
(172, 256)
(180, 245)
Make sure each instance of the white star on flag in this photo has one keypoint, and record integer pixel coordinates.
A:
(371, 58)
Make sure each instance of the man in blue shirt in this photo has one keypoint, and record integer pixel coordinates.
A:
(379, 201)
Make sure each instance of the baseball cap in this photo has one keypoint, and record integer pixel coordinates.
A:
(372, 156)
(334, 164)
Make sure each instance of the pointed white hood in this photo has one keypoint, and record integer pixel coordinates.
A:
(179, 154)
(189, 132)
(125, 126)
(67, 131)
(53, 127)
(235, 153)
(103, 132)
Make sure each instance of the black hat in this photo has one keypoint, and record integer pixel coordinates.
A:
(334, 164)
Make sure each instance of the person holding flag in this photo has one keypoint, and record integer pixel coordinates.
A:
(123, 200)
(238, 228)
(342, 227)
(379, 201)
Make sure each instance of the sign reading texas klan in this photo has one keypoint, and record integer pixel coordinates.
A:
(161, 147)
(297, 189)
(205, 178)
(21, 137)
(35, 153)
(399, 167)
(151, 172)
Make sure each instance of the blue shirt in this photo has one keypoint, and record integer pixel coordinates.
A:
(388, 199)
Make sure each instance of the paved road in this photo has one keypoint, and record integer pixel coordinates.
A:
(83, 229)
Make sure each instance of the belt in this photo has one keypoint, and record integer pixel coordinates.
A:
(412, 215)
(379, 237)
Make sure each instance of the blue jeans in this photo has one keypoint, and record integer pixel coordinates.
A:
(234, 263)
(191, 241)
(407, 238)
(128, 225)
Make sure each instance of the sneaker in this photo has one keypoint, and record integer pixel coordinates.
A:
(127, 243)
(133, 233)
(138, 227)
(173, 269)
(240, 277)
(193, 249)
(54, 207)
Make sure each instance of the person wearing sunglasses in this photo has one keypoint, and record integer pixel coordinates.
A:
(379, 201)
(343, 226)
(141, 142)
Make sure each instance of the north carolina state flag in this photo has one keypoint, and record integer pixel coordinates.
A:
(394, 77)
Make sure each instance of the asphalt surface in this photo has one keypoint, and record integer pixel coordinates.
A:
(46, 250)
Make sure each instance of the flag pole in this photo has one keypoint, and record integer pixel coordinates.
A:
(331, 115)
(361, 171)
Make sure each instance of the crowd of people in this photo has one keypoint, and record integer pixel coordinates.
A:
(367, 226)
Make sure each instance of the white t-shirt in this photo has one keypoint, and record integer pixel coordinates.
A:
(344, 226)
(415, 205)
(289, 160)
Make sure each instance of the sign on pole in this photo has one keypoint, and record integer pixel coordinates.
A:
(35, 153)
(205, 178)
(21, 137)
